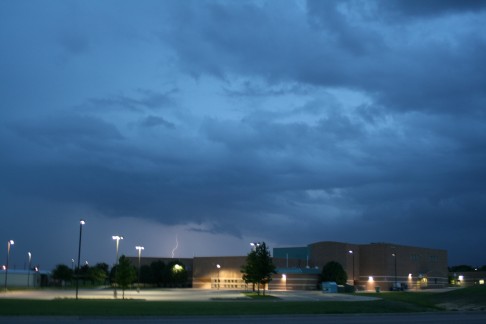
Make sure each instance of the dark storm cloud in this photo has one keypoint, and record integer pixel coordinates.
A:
(433, 74)
(152, 121)
(67, 129)
(424, 9)
(321, 120)
(144, 99)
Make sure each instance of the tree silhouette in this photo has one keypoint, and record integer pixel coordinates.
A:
(333, 271)
(259, 267)
(125, 274)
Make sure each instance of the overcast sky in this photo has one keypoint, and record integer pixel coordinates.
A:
(196, 127)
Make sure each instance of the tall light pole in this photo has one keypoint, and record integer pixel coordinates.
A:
(117, 238)
(352, 253)
(81, 223)
(139, 248)
(395, 259)
(9, 243)
(28, 271)
(219, 268)
(254, 245)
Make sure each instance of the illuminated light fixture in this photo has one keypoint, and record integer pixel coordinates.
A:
(116, 238)
(461, 278)
(481, 281)
(284, 277)
(81, 223)
(370, 279)
(409, 276)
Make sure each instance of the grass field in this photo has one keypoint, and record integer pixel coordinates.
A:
(468, 298)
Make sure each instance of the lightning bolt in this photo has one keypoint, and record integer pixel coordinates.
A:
(175, 248)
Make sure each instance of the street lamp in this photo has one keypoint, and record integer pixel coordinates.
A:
(139, 248)
(28, 271)
(219, 268)
(117, 238)
(9, 243)
(81, 223)
(352, 253)
(395, 259)
(254, 245)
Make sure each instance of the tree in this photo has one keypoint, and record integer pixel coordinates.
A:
(178, 273)
(125, 273)
(158, 272)
(259, 267)
(333, 271)
(461, 268)
(146, 275)
(98, 273)
(62, 273)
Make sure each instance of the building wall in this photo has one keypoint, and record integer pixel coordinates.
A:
(417, 267)
(468, 278)
(294, 281)
(207, 275)
(324, 252)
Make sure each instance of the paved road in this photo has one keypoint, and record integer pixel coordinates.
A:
(426, 318)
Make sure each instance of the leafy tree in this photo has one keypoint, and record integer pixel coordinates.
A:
(62, 273)
(146, 275)
(159, 272)
(177, 273)
(99, 273)
(333, 271)
(461, 268)
(259, 267)
(125, 273)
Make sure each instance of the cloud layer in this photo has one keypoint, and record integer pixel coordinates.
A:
(290, 123)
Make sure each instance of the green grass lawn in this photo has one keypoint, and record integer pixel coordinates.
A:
(390, 302)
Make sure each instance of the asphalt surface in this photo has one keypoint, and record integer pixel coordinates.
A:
(471, 317)
(178, 295)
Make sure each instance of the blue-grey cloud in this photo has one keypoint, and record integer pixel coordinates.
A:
(339, 120)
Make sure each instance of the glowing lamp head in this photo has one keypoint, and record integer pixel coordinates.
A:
(82, 222)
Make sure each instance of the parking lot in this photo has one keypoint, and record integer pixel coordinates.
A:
(179, 295)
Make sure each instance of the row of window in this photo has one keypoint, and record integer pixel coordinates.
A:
(240, 281)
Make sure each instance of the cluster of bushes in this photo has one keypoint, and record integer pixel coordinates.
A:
(159, 274)
(172, 274)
